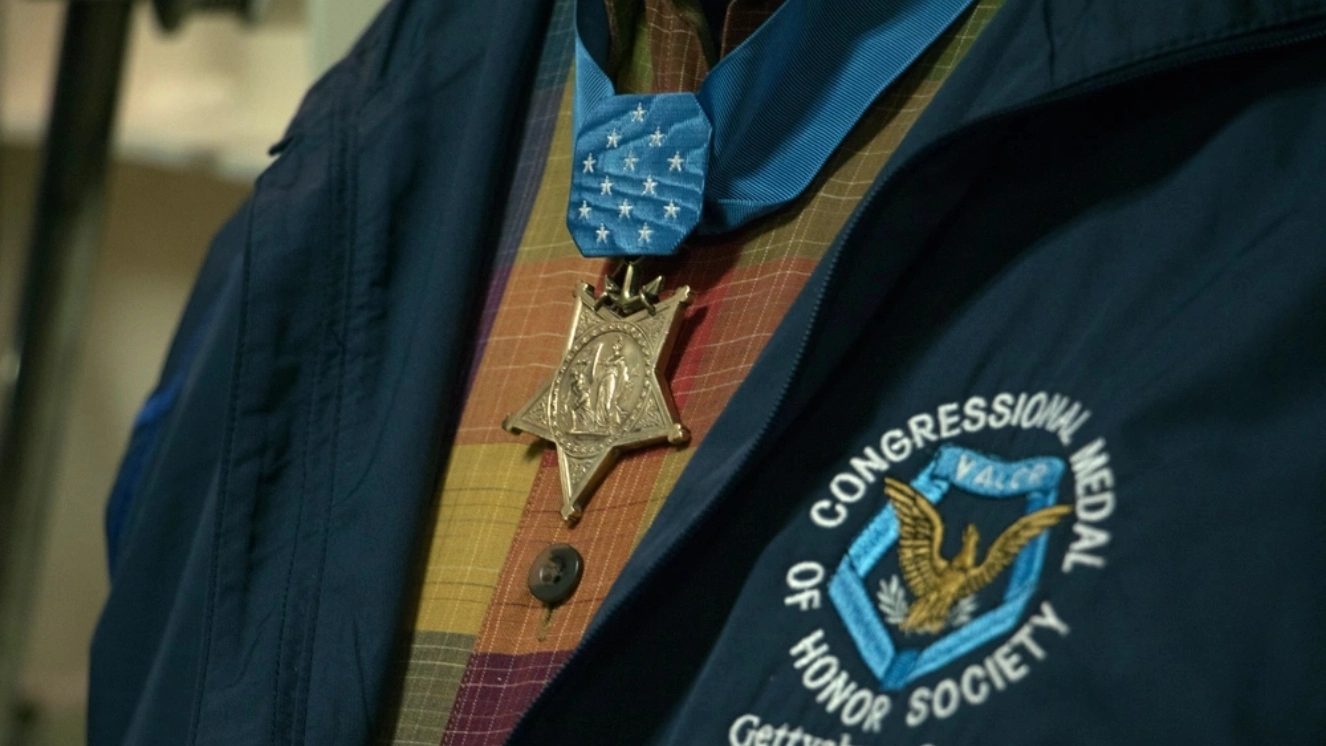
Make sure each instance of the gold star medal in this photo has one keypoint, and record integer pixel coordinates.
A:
(609, 393)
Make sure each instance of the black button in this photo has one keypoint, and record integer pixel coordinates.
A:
(555, 573)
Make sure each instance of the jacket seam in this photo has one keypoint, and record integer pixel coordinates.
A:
(344, 197)
(278, 702)
(227, 454)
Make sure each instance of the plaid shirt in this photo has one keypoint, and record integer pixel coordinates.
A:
(480, 647)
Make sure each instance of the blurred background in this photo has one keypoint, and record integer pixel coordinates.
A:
(196, 113)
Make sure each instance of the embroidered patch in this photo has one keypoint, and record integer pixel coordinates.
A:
(944, 588)
(939, 594)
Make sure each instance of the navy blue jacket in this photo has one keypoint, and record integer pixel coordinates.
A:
(1093, 275)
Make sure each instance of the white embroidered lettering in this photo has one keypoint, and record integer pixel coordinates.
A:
(1010, 663)
(974, 687)
(1091, 474)
(1095, 508)
(809, 648)
(918, 707)
(847, 488)
(740, 732)
(995, 677)
(1048, 619)
(804, 577)
(922, 427)
(1021, 404)
(867, 467)
(857, 707)
(1035, 406)
(1023, 637)
(1001, 413)
(836, 691)
(949, 419)
(827, 514)
(879, 707)
(1066, 432)
(946, 699)
(1052, 411)
(974, 409)
(895, 445)
(820, 672)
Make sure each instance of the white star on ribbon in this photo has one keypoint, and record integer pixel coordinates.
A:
(629, 160)
(614, 137)
(584, 210)
(639, 114)
(605, 187)
(649, 186)
(589, 164)
(656, 139)
(670, 210)
(645, 233)
(674, 163)
(624, 209)
(602, 233)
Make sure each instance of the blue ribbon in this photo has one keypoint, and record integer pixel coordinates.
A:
(649, 170)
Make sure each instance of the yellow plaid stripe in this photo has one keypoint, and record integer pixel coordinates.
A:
(487, 486)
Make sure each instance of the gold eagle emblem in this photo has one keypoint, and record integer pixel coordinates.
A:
(938, 583)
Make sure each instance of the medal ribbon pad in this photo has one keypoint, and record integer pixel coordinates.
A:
(638, 175)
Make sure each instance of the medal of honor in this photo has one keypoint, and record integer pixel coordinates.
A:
(609, 393)
(650, 170)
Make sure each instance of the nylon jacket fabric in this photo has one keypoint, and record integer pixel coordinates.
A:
(1121, 203)
(275, 516)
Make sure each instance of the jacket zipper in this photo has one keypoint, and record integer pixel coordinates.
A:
(1259, 41)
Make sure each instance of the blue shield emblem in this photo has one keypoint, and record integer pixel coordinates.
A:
(1036, 479)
